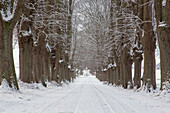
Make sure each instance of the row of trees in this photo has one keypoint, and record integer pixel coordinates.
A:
(123, 32)
(107, 36)
(44, 32)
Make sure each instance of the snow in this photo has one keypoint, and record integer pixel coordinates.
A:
(69, 66)
(105, 69)
(86, 72)
(26, 33)
(86, 95)
(162, 24)
(7, 15)
(60, 61)
(16, 59)
(164, 3)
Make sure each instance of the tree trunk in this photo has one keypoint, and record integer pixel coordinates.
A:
(113, 75)
(137, 50)
(1, 48)
(42, 51)
(66, 68)
(69, 38)
(112, 28)
(121, 69)
(53, 64)
(137, 68)
(7, 68)
(36, 64)
(148, 43)
(164, 45)
(25, 59)
(26, 48)
(61, 68)
(63, 71)
(110, 75)
(57, 64)
(162, 15)
(117, 73)
(127, 68)
(47, 66)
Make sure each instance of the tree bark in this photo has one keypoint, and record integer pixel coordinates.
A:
(121, 69)
(162, 15)
(1, 48)
(36, 64)
(127, 68)
(26, 48)
(47, 66)
(7, 67)
(164, 45)
(137, 58)
(148, 43)
(25, 59)
(42, 51)
(137, 50)
(53, 64)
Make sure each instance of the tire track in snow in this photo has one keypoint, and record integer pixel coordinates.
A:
(123, 102)
(118, 101)
(105, 105)
(53, 104)
(79, 100)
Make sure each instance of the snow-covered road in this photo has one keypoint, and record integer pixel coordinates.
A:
(85, 95)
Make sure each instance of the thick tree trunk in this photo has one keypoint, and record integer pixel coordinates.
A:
(162, 15)
(113, 75)
(164, 45)
(42, 49)
(121, 69)
(7, 69)
(148, 43)
(137, 58)
(39, 61)
(66, 68)
(110, 75)
(26, 48)
(47, 66)
(57, 64)
(25, 59)
(115, 51)
(117, 73)
(36, 64)
(137, 50)
(63, 72)
(1, 48)
(127, 68)
(61, 68)
(69, 38)
(53, 64)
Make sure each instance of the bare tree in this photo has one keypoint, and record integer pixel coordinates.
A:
(163, 27)
(10, 13)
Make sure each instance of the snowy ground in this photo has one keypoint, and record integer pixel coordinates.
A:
(85, 95)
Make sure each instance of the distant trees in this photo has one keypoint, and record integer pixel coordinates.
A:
(122, 33)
